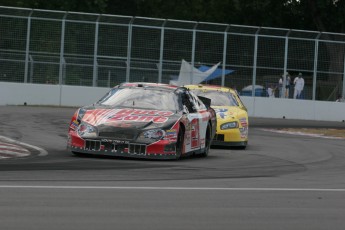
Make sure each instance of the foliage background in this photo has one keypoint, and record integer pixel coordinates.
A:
(317, 15)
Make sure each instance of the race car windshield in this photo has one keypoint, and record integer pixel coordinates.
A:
(218, 98)
(140, 98)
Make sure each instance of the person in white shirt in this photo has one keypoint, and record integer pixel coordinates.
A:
(280, 86)
(287, 85)
(271, 90)
(339, 98)
(299, 85)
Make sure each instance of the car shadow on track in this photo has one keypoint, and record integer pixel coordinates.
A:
(237, 148)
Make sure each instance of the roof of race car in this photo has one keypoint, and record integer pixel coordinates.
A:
(147, 85)
(210, 87)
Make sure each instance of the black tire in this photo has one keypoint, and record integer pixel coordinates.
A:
(179, 144)
(243, 147)
(77, 154)
(207, 141)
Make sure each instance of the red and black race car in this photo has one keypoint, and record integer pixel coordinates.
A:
(144, 120)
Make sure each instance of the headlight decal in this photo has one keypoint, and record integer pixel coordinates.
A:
(229, 125)
(154, 134)
(87, 131)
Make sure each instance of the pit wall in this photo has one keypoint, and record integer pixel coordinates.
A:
(63, 95)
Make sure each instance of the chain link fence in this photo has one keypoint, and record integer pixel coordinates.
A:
(71, 48)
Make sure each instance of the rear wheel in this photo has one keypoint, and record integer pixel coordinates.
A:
(78, 154)
(179, 144)
(207, 141)
(242, 147)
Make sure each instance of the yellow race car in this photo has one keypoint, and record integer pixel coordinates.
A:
(232, 116)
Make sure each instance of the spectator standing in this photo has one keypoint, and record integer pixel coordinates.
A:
(287, 79)
(270, 90)
(299, 86)
(280, 86)
(339, 98)
(287, 85)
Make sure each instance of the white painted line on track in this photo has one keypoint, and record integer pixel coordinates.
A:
(172, 188)
(42, 152)
(300, 133)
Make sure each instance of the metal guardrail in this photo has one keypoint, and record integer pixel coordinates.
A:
(73, 48)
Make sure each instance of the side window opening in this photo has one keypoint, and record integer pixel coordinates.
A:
(188, 102)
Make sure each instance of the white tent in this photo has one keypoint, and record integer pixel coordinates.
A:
(191, 75)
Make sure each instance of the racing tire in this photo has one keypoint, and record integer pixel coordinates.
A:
(77, 154)
(179, 144)
(207, 141)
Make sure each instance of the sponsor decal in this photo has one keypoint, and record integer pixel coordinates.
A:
(120, 124)
(243, 122)
(221, 112)
(171, 135)
(114, 141)
(100, 116)
(244, 132)
(202, 142)
(74, 124)
(187, 140)
(195, 133)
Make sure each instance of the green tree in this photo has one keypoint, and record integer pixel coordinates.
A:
(94, 6)
(320, 15)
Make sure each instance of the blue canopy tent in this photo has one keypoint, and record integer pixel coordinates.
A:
(216, 74)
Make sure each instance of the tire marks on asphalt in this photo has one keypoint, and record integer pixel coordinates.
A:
(10, 148)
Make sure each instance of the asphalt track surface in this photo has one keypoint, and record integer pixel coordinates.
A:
(280, 181)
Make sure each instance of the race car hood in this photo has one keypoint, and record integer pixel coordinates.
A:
(111, 119)
(228, 112)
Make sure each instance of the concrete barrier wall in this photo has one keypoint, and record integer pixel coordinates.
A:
(56, 95)
(294, 109)
(38, 94)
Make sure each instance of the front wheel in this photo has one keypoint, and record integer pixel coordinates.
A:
(179, 144)
(207, 141)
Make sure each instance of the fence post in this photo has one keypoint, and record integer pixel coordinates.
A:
(343, 90)
(31, 75)
(27, 49)
(95, 51)
(109, 76)
(193, 53)
(225, 45)
(255, 60)
(62, 47)
(316, 54)
(129, 48)
(283, 92)
(160, 67)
